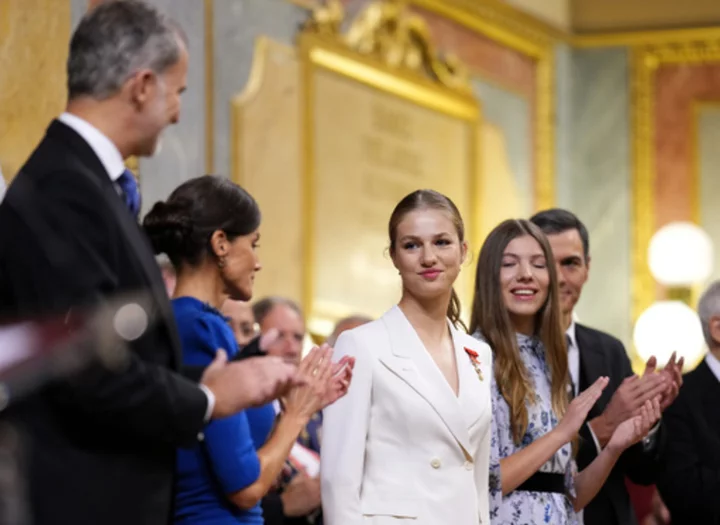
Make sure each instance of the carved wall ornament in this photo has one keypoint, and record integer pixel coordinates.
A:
(388, 31)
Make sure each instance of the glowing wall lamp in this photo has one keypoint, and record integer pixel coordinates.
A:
(680, 256)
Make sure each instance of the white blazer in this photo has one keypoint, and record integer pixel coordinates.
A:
(400, 446)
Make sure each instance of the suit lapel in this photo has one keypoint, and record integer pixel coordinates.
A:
(410, 361)
(592, 366)
(471, 394)
(710, 395)
(140, 251)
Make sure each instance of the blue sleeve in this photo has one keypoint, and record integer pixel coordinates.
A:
(232, 454)
(228, 441)
(202, 336)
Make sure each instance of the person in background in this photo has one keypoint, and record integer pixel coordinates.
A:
(296, 498)
(100, 446)
(690, 480)
(241, 319)
(593, 353)
(286, 317)
(533, 475)
(347, 323)
(208, 227)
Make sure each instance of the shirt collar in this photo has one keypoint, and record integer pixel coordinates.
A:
(714, 364)
(103, 147)
(570, 333)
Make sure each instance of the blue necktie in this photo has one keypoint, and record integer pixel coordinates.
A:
(130, 192)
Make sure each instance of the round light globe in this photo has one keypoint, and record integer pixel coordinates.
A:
(667, 327)
(680, 254)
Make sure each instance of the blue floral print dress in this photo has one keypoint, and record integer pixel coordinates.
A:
(523, 507)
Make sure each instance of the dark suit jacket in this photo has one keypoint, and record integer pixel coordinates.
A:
(603, 355)
(100, 445)
(690, 481)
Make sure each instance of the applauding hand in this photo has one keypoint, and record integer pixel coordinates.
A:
(579, 408)
(634, 429)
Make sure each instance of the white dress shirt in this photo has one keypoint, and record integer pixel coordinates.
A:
(106, 151)
(574, 366)
(112, 161)
(3, 186)
(573, 357)
(714, 364)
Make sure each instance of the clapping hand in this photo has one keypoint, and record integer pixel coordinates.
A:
(580, 407)
(244, 384)
(316, 368)
(340, 380)
(634, 429)
(628, 399)
(673, 378)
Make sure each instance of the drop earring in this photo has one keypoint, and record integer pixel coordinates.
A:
(221, 262)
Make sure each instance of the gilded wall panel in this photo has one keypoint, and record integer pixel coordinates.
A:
(34, 37)
(266, 160)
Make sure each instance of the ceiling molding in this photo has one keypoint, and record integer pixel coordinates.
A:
(527, 33)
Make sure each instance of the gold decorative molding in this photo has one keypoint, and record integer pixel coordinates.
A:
(518, 31)
(645, 38)
(387, 48)
(643, 285)
(645, 63)
(389, 33)
(524, 34)
(502, 23)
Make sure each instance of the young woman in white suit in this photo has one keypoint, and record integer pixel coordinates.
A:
(410, 440)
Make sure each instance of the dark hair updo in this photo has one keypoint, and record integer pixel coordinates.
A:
(182, 226)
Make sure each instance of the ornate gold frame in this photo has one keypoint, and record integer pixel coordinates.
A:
(533, 38)
(524, 34)
(645, 62)
(364, 54)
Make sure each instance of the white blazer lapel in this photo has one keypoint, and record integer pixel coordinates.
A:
(472, 394)
(410, 361)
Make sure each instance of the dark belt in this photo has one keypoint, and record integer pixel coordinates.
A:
(544, 482)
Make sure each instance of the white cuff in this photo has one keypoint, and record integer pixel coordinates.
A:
(210, 402)
(649, 440)
(595, 439)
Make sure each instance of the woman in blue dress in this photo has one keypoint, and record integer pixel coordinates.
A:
(209, 230)
(533, 475)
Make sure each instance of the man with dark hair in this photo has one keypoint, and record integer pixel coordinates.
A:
(591, 354)
(690, 482)
(101, 444)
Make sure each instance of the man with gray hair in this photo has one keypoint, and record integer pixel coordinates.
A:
(690, 482)
(101, 444)
(346, 323)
